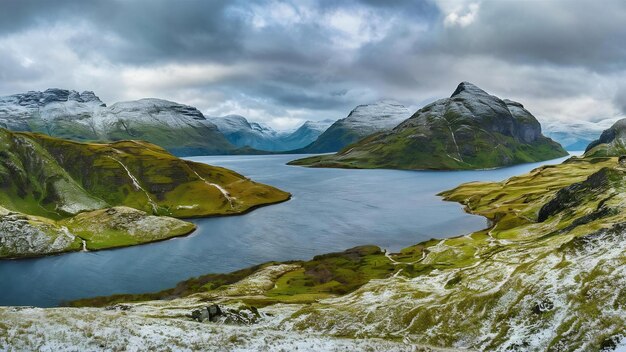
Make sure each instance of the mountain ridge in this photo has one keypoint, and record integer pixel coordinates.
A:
(241, 132)
(181, 129)
(362, 121)
(612, 141)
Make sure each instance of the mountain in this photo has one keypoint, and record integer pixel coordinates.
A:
(362, 121)
(242, 133)
(547, 275)
(305, 134)
(612, 141)
(469, 130)
(54, 192)
(181, 129)
(575, 135)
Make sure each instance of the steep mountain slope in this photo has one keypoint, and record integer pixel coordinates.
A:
(304, 135)
(612, 141)
(547, 275)
(180, 129)
(575, 135)
(362, 121)
(57, 179)
(469, 130)
(242, 133)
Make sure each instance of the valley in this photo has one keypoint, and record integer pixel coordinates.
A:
(544, 229)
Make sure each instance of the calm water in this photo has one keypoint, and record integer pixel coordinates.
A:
(331, 210)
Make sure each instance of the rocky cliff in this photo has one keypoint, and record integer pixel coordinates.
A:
(612, 141)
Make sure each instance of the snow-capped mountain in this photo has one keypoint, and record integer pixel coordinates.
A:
(305, 134)
(379, 116)
(575, 135)
(181, 129)
(362, 121)
(243, 133)
(20, 111)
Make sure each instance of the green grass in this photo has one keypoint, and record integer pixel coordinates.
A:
(474, 291)
(511, 205)
(54, 178)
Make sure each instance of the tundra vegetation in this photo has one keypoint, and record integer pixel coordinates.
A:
(548, 274)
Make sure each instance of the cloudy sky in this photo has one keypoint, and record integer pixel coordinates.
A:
(283, 62)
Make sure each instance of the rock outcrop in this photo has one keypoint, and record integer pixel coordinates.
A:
(612, 141)
(27, 236)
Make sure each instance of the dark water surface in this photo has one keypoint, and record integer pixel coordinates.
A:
(331, 210)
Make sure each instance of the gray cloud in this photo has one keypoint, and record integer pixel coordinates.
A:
(620, 98)
(283, 61)
(576, 33)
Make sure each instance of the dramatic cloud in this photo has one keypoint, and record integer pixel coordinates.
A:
(283, 62)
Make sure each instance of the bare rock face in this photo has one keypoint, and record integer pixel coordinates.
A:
(129, 226)
(612, 141)
(24, 236)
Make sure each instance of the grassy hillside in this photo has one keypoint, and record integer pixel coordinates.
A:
(336, 137)
(57, 179)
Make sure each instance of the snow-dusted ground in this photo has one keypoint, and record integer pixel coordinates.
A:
(166, 326)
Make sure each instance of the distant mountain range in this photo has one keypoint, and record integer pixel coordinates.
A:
(240, 132)
(181, 129)
(469, 130)
(575, 135)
